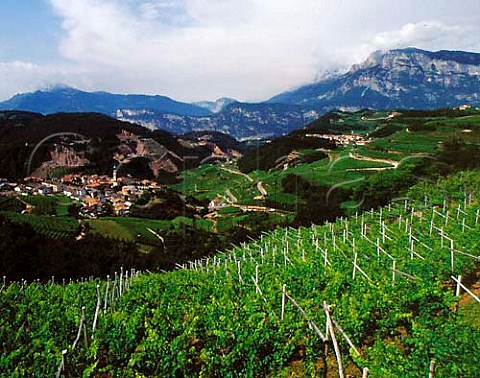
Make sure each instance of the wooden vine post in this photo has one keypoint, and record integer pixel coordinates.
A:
(431, 373)
(338, 355)
(82, 323)
(61, 368)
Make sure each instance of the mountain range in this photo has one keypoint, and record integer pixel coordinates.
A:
(239, 119)
(65, 99)
(396, 79)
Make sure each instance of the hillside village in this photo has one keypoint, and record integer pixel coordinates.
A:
(97, 195)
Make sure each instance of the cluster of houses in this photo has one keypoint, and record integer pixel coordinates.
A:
(97, 194)
(343, 139)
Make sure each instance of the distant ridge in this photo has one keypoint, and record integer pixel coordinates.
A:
(67, 99)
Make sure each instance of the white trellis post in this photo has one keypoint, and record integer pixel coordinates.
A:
(466, 289)
(365, 373)
(452, 258)
(106, 295)
(282, 315)
(431, 222)
(97, 309)
(121, 278)
(240, 280)
(378, 250)
(354, 265)
(383, 232)
(459, 288)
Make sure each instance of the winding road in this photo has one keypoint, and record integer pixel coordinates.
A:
(232, 198)
(394, 164)
(261, 189)
(237, 173)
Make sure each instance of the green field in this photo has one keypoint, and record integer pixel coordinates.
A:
(49, 205)
(129, 228)
(418, 142)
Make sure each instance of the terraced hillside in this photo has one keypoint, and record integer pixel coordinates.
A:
(377, 156)
(376, 291)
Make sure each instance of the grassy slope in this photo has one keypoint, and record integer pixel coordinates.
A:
(129, 228)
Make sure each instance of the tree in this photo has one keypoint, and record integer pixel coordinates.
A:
(73, 210)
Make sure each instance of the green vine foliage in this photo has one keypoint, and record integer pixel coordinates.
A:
(222, 316)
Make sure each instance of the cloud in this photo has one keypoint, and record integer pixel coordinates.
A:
(429, 35)
(18, 77)
(212, 52)
(21, 77)
(249, 49)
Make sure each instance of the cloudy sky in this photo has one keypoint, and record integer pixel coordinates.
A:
(203, 49)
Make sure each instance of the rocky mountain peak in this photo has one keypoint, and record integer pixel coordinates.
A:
(434, 62)
(403, 78)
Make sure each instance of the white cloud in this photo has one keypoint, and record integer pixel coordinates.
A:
(429, 35)
(215, 53)
(249, 49)
(19, 77)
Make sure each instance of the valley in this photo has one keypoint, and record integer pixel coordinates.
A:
(312, 175)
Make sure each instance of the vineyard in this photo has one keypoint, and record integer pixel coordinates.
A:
(378, 294)
(52, 227)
